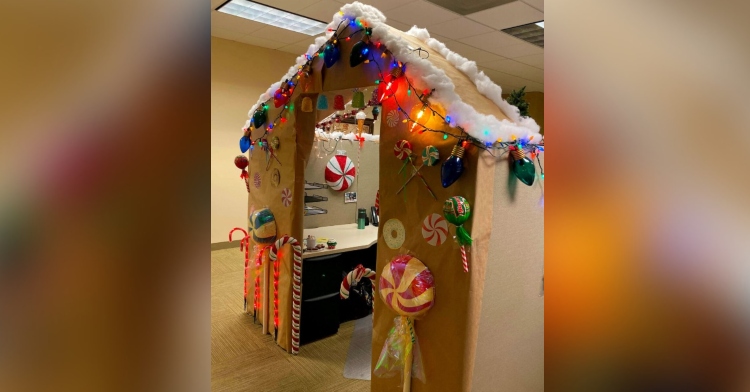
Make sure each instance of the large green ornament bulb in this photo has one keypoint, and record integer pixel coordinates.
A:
(523, 167)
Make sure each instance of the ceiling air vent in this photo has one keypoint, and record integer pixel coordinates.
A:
(532, 33)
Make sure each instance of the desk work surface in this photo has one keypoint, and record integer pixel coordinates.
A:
(347, 237)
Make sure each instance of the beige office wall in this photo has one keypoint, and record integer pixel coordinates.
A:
(239, 74)
(510, 343)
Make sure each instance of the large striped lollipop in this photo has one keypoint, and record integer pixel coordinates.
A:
(407, 287)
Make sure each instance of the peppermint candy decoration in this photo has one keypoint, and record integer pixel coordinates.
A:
(286, 197)
(392, 118)
(256, 180)
(402, 149)
(340, 173)
(435, 229)
(430, 155)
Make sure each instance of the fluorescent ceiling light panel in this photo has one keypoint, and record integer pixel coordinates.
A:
(540, 24)
(273, 16)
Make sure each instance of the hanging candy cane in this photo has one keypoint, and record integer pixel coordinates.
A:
(244, 245)
(296, 287)
(353, 277)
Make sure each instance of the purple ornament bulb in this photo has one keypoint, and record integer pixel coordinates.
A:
(453, 167)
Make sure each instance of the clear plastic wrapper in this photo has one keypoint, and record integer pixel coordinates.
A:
(401, 342)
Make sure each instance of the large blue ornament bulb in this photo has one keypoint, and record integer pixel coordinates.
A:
(452, 168)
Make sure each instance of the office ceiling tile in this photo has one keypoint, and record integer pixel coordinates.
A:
(508, 15)
(520, 50)
(492, 40)
(535, 60)
(458, 28)
(515, 68)
(322, 10)
(538, 4)
(420, 13)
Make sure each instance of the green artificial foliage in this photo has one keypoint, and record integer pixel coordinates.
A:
(516, 99)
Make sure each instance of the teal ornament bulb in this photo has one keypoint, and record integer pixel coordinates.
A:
(453, 167)
(523, 168)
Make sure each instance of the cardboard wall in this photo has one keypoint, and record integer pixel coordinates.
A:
(510, 343)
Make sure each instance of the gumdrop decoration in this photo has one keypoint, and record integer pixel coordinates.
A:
(307, 105)
(322, 102)
(358, 101)
(338, 102)
(331, 54)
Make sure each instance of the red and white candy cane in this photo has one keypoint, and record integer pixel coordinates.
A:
(353, 277)
(296, 287)
(464, 259)
(244, 245)
(258, 264)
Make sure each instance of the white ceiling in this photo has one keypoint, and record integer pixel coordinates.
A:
(510, 62)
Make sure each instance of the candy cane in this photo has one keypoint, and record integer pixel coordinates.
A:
(245, 176)
(244, 245)
(296, 287)
(353, 277)
(258, 263)
(464, 259)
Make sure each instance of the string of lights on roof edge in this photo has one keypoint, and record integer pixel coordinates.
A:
(464, 136)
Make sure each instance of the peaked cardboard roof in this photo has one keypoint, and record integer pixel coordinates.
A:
(469, 97)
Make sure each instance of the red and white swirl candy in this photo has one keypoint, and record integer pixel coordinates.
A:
(286, 197)
(402, 149)
(435, 229)
(296, 286)
(340, 173)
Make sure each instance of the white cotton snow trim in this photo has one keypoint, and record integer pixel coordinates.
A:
(486, 128)
(321, 134)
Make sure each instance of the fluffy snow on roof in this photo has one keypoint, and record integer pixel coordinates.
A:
(486, 128)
